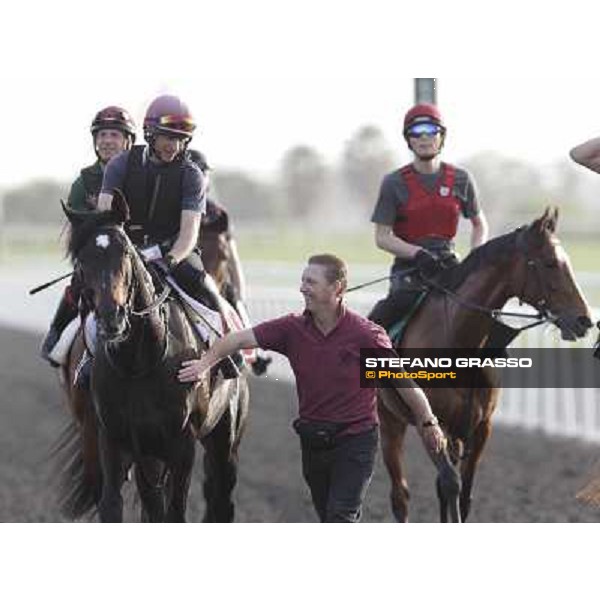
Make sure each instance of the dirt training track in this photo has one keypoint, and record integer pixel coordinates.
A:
(523, 477)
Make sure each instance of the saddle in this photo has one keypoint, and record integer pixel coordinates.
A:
(396, 331)
(207, 323)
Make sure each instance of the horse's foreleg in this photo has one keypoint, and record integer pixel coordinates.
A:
(448, 487)
(469, 465)
(392, 439)
(148, 476)
(220, 472)
(110, 507)
(181, 466)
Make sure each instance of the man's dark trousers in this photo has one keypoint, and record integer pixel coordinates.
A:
(338, 477)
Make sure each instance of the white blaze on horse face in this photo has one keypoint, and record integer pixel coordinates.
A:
(102, 241)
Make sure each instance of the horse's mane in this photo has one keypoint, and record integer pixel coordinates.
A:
(83, 229)
(491, 252)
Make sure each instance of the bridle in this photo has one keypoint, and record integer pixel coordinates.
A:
(138, 275)
(534, 272)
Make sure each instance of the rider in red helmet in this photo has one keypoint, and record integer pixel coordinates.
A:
(166, 193)
(113, 131)
(417, 213)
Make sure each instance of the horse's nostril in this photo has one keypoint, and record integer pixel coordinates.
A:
(584, 322)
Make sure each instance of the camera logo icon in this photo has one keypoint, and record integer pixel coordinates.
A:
(370, 374)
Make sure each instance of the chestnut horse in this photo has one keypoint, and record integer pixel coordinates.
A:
(459, 312)
(137, 413)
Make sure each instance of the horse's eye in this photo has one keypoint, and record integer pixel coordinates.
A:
(552, 264)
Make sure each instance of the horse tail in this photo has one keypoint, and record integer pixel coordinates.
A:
(79, 476)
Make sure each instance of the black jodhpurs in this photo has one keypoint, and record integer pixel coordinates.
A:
(190, 274)
(400, 299)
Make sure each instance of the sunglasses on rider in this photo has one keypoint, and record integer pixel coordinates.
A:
(419, 129)
(177, 122)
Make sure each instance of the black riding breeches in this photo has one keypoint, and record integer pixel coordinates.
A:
(190, 274)
(394, 306)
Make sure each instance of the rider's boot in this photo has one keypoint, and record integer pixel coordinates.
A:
(67, 311)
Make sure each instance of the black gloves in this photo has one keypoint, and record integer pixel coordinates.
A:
(427, 263)
(449, 260)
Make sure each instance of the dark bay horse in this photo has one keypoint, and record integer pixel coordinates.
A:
(528, 264)
(137, 413)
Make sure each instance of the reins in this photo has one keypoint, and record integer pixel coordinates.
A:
(157, 304)
(540, 318)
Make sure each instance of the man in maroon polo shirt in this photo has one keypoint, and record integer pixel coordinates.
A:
(338, 423)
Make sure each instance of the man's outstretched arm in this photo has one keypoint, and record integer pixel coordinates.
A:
(192, 370)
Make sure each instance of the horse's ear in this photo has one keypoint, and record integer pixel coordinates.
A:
(75, 217)
(547, 222)
(119, 207)
(549, 219)
(553, 219)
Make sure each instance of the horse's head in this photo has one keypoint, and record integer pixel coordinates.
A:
(215, 256)
(102, 255)
(547, 281)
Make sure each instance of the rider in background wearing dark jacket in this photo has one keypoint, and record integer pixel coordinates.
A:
(417, 212)
(113, 131)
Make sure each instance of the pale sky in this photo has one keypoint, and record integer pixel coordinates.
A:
(250, 121)
(261, 76)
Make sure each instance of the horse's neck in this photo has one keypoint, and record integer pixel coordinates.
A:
(145, 292)
(449, 322)
(489, 287)
(150, 326)
(215, 256)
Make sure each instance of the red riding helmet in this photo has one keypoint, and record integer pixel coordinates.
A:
(168, 115)
(114, 117)
(423, 113)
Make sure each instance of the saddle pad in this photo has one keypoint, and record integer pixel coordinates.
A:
(234, 323)
(60, 352)
(209, 323)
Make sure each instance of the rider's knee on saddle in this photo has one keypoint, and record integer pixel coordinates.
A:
(66, 311)
(393, 308)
